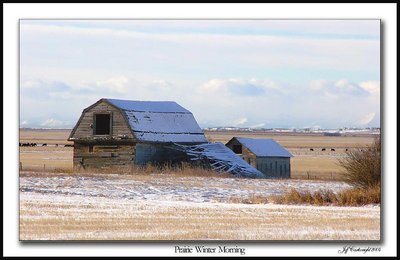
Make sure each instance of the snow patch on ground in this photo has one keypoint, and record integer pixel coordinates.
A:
(169, 188)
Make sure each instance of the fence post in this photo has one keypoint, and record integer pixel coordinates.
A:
(20, 166)
(44, 166)
(308, 175)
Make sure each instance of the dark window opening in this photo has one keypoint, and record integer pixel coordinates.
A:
(237, 148)
(91, 149)
(102, 124)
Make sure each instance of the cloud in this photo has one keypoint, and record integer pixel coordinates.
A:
(48, 89)
(366, 119)
(53, 123)
(342, 87)
(239, 121)
(373, 87)
(126, 48)
(216, 102)
(116, 84)
(258, 125)
(43, 89)
(271, 72)
(238, 87)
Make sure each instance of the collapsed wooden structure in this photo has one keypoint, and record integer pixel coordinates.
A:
(220, 158)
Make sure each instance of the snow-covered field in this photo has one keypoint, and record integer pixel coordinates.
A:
(165, 207)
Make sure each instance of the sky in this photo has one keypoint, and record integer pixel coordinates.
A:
(241, 73)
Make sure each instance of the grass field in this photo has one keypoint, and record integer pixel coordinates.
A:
(56, 206)
(306, 164)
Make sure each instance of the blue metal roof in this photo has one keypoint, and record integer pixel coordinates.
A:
(264, 147)
(160, 121)
(148, 106)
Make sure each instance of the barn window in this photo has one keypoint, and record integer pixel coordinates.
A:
(237, 148)
(102, 124)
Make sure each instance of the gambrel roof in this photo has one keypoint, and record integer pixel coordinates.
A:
(158, 121)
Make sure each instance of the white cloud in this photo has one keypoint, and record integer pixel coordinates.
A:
(372, 87)
(220, 70)
(217, 102)
(239, 121)
(117, 84)
(318, 84)
(53, 123)
(125, 45)
(242, 87)
(366, 119)
(337, 88)
(257, 125)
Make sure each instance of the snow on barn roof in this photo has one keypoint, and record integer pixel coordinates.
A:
(148, 106)
(264, 147)
(160, 121)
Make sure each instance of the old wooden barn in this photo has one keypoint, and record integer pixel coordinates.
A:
(115, 132)
(266, 155)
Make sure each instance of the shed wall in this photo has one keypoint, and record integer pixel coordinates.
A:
(278, 167)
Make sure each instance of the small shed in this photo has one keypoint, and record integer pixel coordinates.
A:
(113, 132)
(266, 155)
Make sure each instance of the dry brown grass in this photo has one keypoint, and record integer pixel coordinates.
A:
(184, 170)
(290, 140)
(350, 197)
(77, 218)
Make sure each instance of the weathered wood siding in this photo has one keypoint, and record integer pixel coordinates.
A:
(119, 125)
(97, 156)
(246, 155)
(278, 167)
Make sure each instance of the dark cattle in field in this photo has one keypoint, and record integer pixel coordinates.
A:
(56, 144)
(69, 145)
(311, 149)
(332, 149)
(323, 149)
(347, 150)
(44, 144)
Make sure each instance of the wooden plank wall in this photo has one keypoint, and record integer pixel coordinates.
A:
(119, 126)
(103, 155)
